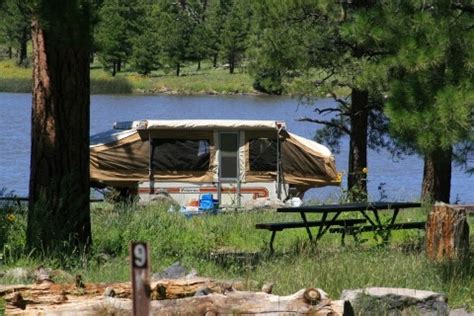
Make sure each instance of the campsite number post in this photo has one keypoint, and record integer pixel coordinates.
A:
(139, 254)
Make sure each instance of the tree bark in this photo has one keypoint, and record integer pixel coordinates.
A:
(357, 175)
(23, 53)
(178, 69)
(199, 65)
(119, 65)
(59, 213)
(437, 176)
(114, 68)
(10, 52)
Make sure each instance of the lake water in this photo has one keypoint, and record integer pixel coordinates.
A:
(402, 179)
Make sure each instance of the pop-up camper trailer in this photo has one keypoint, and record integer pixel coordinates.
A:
(237, 161)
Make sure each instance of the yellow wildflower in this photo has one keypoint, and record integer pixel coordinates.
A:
(11, 218)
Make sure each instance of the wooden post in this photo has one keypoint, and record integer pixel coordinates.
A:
(447, 232)
(139, 255)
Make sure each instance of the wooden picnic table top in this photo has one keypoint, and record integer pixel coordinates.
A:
(359, 206)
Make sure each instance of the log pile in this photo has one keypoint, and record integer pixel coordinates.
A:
(174, 296)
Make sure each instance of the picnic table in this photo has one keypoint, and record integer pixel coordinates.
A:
(330, 221)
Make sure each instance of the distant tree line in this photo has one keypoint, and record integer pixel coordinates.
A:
(165, 34)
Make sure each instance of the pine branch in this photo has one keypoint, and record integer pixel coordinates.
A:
(328, 110)
(344, 104)
(326, 123)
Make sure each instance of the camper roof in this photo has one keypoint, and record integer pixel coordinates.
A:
(212, 124)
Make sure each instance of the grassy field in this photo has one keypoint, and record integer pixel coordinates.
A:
(208, 80)
(228, 246)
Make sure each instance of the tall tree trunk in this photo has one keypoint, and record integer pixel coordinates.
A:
(178, 69)
(231, 62)
(23, 54)
(199, 65)
(119, 65)
(58, 210)
(10, 52)
(214, 61)
(114, 68)
(437, 176)
(357, 178)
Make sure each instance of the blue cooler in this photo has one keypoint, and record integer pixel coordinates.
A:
(206, 203)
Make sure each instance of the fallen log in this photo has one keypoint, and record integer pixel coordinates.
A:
(310, 301)
(160, 289)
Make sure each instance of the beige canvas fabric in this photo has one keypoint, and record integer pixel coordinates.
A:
(208, 124)
(304, 162)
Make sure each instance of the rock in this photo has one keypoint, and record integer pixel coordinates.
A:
(42, 275)
(202, 291)
(267, 288)
(394, 300)
(174, 271)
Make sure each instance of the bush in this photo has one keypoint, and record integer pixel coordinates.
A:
(268, 81)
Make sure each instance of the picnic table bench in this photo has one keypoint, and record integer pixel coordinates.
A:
(350, 226)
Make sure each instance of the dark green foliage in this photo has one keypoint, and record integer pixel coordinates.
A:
(268, 81)
(118, 24)
(305, 44)
(146, 43)
(15, 21)
(233, 42)
(176, 26)
(429, 75)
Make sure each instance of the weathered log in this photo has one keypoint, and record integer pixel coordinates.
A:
(447, 232)
(160, 289)
(234, 302)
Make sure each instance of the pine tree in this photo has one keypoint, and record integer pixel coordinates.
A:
(218, 11)
(114, 32)
(175, 30)
(307, 43)
(431, 81)
(146, 43)
(58, 208)
(234, 36)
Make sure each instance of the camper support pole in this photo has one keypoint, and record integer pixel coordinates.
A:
(151, 180)
(238, 171)
(278, 166)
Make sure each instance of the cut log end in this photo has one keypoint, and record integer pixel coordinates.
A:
(312, 296)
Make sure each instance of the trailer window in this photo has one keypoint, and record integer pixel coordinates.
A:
(263, 154)
(181, 154)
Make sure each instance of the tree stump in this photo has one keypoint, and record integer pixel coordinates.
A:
(447, 232)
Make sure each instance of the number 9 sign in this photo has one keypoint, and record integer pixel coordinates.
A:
(139, 255)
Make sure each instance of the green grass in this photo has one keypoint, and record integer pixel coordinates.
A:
(228, 246)
(206, 81)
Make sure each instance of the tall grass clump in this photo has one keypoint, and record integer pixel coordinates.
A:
(104, 83)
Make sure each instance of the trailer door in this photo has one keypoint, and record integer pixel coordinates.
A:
(229, 168)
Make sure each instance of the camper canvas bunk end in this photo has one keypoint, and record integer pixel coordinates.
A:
(237, 161)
